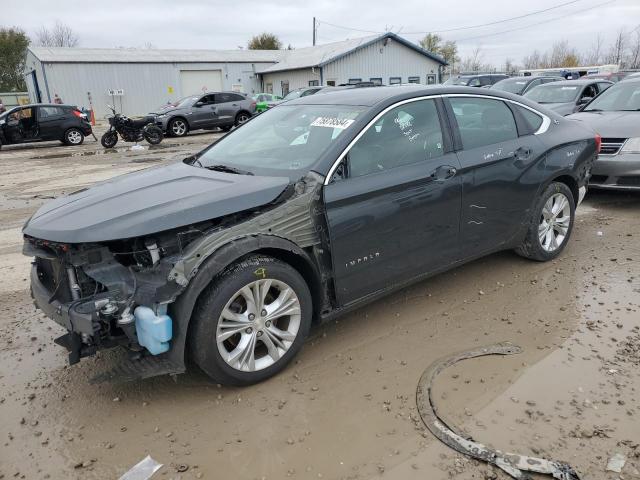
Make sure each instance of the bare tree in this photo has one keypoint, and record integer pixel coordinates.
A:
(633, 60)
(594, 55)
(617, 50)
(60, 35)
(473, 62)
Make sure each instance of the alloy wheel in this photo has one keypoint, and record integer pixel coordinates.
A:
(242, 118)
(555, 221)
(74, 137)
(258, 325)
(178, 128)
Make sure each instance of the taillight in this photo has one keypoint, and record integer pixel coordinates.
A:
(598, 142)
(253, 104)
(78, 113)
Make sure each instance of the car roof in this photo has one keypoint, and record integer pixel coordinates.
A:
(578, 82)
(370, 96)
(44, 105)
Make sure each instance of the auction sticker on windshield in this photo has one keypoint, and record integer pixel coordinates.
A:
(332, 122)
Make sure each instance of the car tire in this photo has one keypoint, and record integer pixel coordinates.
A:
(551, 224)
(73, 137)
(177, 127)
(109, 139)
(223, 323)
(226, 128)
(242, 117)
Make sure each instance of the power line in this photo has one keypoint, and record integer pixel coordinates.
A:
(496, 22)
(535, 24)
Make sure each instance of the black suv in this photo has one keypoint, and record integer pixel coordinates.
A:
(479, 80)
(43, 122)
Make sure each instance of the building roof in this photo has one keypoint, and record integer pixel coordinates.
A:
(307, 57)
(320, 55)
(152, 55)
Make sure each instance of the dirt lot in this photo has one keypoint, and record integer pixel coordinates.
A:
(346, 408)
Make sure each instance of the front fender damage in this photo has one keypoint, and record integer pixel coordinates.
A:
(294, 224)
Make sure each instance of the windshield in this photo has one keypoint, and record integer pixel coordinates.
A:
(293, 94)
(511, 85)
(282, 140)
(620, 97)
(183, 102)
(458, 81)
(553, 93)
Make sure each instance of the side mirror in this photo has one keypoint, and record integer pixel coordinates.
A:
(198, 104)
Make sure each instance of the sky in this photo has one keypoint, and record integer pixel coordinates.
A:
(228, 24)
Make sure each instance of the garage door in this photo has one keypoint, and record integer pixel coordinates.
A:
(198, 81)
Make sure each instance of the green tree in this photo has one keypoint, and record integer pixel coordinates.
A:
(448, 50)
(13, 51)
(265, 41)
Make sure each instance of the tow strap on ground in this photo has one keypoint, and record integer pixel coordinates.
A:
(513, 464)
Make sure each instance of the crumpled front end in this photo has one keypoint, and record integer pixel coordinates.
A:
(104, 295)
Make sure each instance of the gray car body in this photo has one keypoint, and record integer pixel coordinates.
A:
(567, 108)
(215, 111)
(613, 169)
(322, 225)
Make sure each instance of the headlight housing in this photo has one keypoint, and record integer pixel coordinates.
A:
(164, 115)
(632, 145)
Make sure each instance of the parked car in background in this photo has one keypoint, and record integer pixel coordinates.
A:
(264, 101)
(521, 85)
(612, 77)
(633, 75)
(567, 96)
(225, 257)
(44, 122)
(299, 92)
(207, 111)
(615, 115)
(480, 80)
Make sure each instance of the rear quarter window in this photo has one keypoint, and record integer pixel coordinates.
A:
(532, 120)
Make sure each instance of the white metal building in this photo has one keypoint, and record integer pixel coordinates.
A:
(384, 59)
(138, 81)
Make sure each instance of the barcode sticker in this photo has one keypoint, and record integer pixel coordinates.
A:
(331, 122)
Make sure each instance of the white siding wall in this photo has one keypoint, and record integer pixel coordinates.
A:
(145, 85)
(296, 78)
(380, 61)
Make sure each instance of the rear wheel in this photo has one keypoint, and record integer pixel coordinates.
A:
(251, 321)
(73, 136)
(242, 117)
(551, 224)
(153, 135)
(109, 139)
(177, 127)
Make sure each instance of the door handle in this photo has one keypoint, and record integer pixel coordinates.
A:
(444, 172)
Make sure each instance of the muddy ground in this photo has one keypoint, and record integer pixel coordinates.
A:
(346, 408)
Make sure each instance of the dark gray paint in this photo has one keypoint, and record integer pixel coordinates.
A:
(150, 201)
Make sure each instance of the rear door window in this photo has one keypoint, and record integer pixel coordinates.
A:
(48, 112)
(483, 121)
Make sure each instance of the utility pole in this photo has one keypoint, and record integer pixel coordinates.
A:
(314, 31)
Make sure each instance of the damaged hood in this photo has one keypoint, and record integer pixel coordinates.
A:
(150, 201)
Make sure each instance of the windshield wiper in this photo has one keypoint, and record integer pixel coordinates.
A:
(228, 169)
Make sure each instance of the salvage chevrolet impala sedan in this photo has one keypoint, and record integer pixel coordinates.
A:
(307, 211)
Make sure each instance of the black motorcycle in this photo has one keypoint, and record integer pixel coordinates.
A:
(131, 130)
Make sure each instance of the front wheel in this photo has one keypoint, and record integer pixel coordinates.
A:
(153, 135)
(73, 136)
(177, 127)
(551, 224)
(251, 321)
(242, 117)
(109, 139)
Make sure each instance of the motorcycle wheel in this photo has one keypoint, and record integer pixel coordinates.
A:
(109, 139)
(153, 135)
